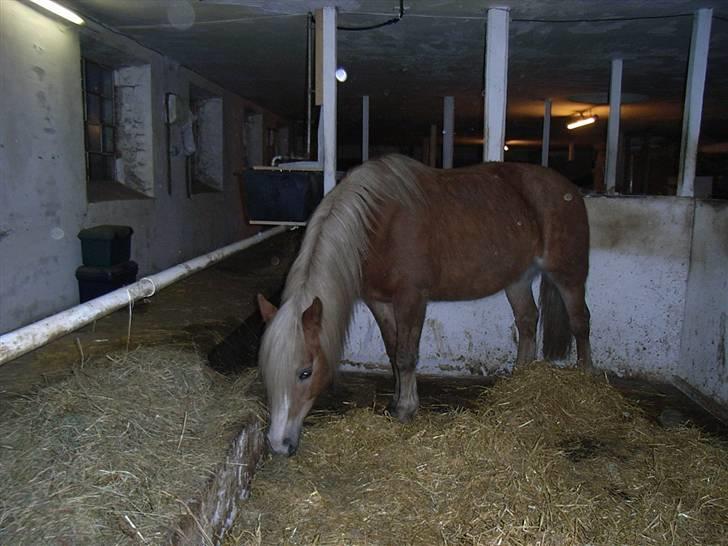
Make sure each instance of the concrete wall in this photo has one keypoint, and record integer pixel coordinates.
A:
(42, 165)
(705, 329)
(42, 172)
(656, 290)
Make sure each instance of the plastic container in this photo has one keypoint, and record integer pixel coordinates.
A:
(105, 246)
(279, 196)
(97, 281)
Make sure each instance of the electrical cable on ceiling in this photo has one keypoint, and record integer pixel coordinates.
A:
(391, 21)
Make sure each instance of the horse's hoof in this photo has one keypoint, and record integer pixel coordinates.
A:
(402, 415)
(589, 368)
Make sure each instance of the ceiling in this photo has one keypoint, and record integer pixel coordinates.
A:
(558, 49)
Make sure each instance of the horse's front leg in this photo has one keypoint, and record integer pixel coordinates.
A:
(384, 316)
(409, 314)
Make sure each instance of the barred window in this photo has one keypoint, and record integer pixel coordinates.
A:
(99, 121)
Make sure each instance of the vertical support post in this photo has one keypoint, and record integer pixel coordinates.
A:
(326, 21)
(693, 110)
(546, 139)
(572, 151)
(433, 145)
(448, 131)
(365, 128)
(496, 83)
(309, 82)
(615, 104)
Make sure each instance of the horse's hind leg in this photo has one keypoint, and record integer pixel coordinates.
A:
(525, 312)
(573, 295)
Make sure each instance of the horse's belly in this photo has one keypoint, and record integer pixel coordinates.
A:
(458, 252)
(463, 275)
(477, 280)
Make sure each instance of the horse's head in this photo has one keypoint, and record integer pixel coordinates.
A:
(294, 368)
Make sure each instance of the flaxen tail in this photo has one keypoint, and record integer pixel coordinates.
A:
(554, 321)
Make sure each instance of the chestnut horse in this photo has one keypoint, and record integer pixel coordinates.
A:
(398, 234)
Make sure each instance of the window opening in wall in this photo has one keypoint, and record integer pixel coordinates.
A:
(205, 162)
(196, 169)
(99, 121)
(116, 93)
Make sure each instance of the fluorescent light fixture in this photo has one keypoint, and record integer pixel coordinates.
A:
(66, 13)
(581, 122)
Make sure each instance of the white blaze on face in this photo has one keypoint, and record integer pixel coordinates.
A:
(278, 425)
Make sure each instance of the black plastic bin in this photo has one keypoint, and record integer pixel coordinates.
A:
(97, 281)
(279, 196)
(104, 246)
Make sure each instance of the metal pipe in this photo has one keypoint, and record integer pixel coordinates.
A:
(25, 339)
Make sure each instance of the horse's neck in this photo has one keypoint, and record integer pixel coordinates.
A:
(332, 275)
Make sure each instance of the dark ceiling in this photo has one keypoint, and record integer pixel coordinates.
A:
(558, 49)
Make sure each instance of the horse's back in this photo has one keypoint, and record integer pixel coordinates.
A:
(483, 227)
(558, 208)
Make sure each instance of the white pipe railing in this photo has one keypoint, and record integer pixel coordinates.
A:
(25, 339)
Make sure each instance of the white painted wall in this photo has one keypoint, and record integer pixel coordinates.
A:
(42, 168)
(135, 130)
(654, 313)
(704, 363)
(42, 178)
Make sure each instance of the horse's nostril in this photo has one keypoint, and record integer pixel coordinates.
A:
(290, 446)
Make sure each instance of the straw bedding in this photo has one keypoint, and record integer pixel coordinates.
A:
(550, 457)
(116, 453)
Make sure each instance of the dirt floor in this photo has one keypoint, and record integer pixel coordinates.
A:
(215, 312)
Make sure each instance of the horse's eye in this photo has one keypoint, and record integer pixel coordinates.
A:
(304, 374)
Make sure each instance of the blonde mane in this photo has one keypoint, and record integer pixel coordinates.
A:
(329, 264)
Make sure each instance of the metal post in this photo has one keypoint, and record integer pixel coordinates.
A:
(433, 145)
(328, 67)
(546, 140)
(693, 111)
(615, 103)
(365, 128)
(496, 83)
(448, 131)
(309, 82)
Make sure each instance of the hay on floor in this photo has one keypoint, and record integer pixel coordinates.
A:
(116, 453)
(552, 456)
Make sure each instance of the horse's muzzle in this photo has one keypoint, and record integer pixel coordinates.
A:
(286, 447)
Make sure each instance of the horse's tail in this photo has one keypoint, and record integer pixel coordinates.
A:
(554, 321)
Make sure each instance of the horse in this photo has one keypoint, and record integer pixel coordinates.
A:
(396, 234)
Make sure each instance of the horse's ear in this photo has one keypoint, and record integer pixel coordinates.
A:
(267, 309)
(311, 317)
